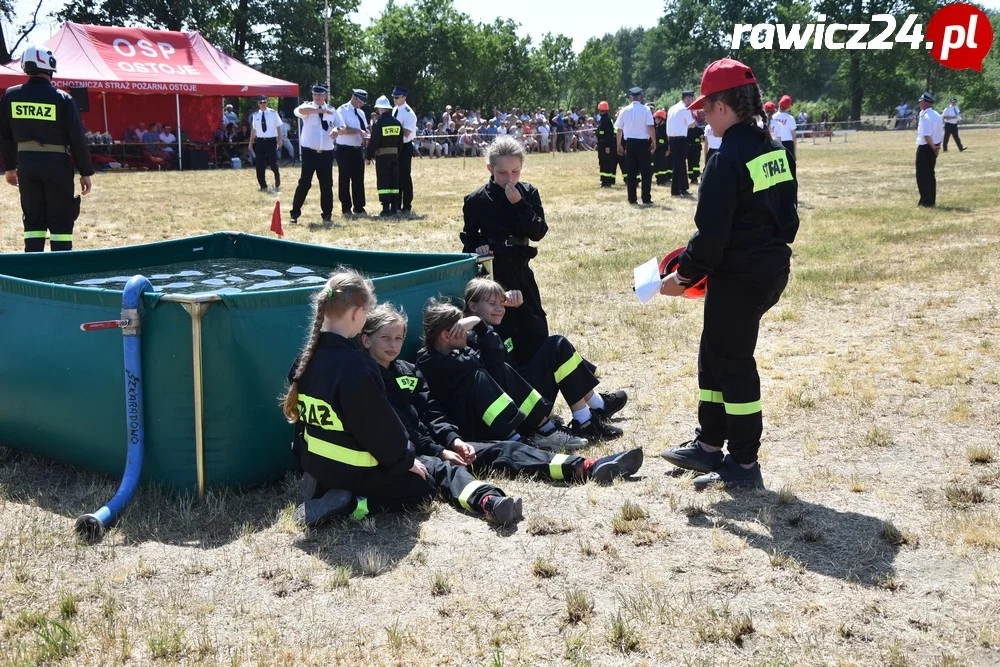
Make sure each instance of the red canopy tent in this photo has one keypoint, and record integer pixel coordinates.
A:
(144, 75)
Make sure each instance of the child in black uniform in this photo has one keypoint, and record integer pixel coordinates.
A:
(433, 435)
(351, 445)
(480, 393)
(556, 367)
(661, 165)
(746, 219)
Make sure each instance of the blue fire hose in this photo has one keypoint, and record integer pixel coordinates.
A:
(93, 526)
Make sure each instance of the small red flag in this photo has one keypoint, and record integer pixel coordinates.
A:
(276, 220)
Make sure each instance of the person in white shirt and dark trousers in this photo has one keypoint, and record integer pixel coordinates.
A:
(929, 135)
(679, 121)
(408, 119)
(265, 135)
(351, 154)
(320, 123)
(952, 114)
(636, 139)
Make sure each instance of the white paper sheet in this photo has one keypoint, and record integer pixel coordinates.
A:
(647, 280)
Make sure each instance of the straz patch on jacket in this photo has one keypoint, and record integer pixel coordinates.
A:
(407, 382)
(509, 344)
(33, 111)
(391, 130)
(769, 169)
(317, 412)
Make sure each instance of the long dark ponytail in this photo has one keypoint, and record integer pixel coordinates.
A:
(748, 105)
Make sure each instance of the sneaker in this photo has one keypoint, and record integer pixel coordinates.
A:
(332, 504)
(264, 189)
(384, 213)
(732, 474)
(327, 220)
(963, 149)
(595, 429)
(503, 509)
(271, 191)
(622, 464)
(691, 456)
(557, 440)
(294, 219)
(360, 211)
(613, 403)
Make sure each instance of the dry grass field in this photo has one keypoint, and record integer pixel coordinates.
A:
(876, 543)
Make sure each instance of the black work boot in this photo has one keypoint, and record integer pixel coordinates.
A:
(732, 474)
(503, 509)
(622, 464)
(692, 456)
(332, 504)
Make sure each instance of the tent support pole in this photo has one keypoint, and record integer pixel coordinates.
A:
(104, 100)
(180, 147)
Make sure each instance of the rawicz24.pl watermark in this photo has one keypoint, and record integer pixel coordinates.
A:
(958, 36)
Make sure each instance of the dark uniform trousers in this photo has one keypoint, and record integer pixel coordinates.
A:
(729, 405)
(789, 146)
(351, 187)
(405, 176)
(387, 168)
(319, 163)
(266, 150)
(529, 319)
(558, 367)
(661, 165)
(694, 154)
(635, 163)
(495, 411)
(951, 130)
(607, 163)
(45, 183)
(516, 458)
(926, 181)
(678, 152)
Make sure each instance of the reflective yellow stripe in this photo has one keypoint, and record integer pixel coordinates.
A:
(328, 450)
(509, 345)
(709, 396)
(35, 235)
(470, 488)
(556, 464)
(568, 367)
(33, 111)
(769, 169)
(407, 382)
(317, 412)
(529, 403)
(61, 237)
(389, 192)
(391, 130)
(607, 175)
(750, 408)
(496, 408)
(361, 511)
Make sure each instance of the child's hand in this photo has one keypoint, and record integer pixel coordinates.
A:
(513, 194)
(484, 250)
(670, 287)
(464, 450)
(464, 325)
(514, 299)
(419, 469)
(449, 456)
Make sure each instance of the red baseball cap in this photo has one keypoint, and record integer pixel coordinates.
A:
(785, 102)
(660, 113)
(769, 106)
(722, 75)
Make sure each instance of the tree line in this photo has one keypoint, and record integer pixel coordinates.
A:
(444, 57)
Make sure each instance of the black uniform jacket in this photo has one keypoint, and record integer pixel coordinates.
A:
(428, 428)
(347, 428)
(35, 111)
(747, 213)
(490, 219)
(386, 133)
(606, 132)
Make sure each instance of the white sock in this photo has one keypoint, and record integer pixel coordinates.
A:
(595, 402)
(547, 427)
(582, 416)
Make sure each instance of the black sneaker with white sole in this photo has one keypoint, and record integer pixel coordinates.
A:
(503, 509)
(731, 475)
(613, 403)
(622, 464)
(595, 429)
(692, 456)
(332, 504)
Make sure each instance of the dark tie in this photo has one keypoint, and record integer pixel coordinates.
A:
(394, 110)
(361, 119)
(263, 121)
(324, 123)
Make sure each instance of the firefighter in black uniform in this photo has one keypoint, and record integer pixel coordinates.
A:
(607, 155)
(433, 435)
(746, 219)
(384, 146)
(661, 166)
(348, 440)
(501, 219)
(695, 135)
(38, 124)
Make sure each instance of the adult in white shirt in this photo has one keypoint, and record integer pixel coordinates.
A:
(320, 125)
(930, 132)
(785, 123)
(636, 139)
(679, 121)
(351, 155)
(168, 140)
(229, 115)
(952, 114)
(408, 119)
(266, 130)
(712, 143)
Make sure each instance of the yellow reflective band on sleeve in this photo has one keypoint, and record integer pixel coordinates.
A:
(568, 367)
(496, 408)
(346, 455)
(470, 488)
(753, 407)
(35, 235)
(361, 511)
(509, 345)
(529, 403)
(317, 412)
(709, 396)
(556, 464)
(407, 382)
(33, 111)
(61, 237)
(769, 169)
(391, 130)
